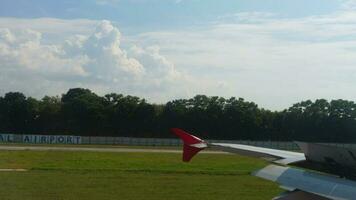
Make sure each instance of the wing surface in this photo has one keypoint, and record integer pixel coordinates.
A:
(280, 156)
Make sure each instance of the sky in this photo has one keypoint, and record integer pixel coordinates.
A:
(272, 52)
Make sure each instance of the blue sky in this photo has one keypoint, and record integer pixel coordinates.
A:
(161, 14)
(273, 52)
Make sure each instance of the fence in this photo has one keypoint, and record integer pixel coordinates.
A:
(66, 139)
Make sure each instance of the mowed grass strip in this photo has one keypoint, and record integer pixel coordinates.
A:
(156, 176)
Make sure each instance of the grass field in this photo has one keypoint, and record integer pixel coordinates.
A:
(151, 176)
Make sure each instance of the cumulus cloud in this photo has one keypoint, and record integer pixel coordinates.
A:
(23, 52)
(107, 60)
(95, 60)
(158, 67)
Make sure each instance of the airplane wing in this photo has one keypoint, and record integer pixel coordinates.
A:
(195, 144)
(301, 184)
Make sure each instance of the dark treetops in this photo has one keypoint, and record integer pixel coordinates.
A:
(82, 112)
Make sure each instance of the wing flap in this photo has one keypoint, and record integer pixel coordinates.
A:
(300, 195)
(312, 182)
(328, 154)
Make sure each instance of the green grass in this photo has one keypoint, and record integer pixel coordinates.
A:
(151, 176)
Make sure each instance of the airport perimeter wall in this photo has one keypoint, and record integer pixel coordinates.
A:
(69, 139)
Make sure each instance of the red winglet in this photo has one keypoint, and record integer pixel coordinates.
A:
(192, 144)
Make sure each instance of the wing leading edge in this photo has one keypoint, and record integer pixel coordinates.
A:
(280, 156)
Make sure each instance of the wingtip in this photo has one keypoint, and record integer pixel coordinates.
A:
(192, 144)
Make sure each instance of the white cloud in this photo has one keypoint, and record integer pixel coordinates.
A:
(94, 60)
(247, 17)
(348, 5)
(274, 61)
(53, 30)
(108, 60)
(107, 2)
(24, 52)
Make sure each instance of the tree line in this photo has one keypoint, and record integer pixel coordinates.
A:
(82, 112)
